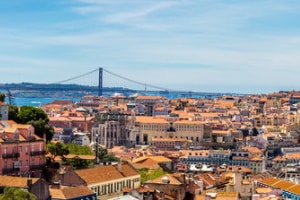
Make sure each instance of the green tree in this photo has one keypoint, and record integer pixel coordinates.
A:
(147, 174)
(255, 131)
(16, 194)
(78, 150)
(109, 158)
(2, 97)
(13, 112)
(31, 113)
(41, 127)
(57, 149)
(37, 118)
(104, 156)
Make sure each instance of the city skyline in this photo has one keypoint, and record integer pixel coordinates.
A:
(210, 46)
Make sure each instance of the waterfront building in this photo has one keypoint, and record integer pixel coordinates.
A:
(22, 151)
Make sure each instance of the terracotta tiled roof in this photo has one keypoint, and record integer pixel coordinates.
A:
(169, 139)
(150, 119)
(283, 184)
(220, 196)
(148, 166)
(149, 97)
(14, 181)
(63, 119)
(294, 189)
(106, 173)
(294, 155)
(70, 192)
(3, 104)
(170, 177)
(143, 189)
(256, 159)
(208, 179)
(81, 157)
(189, 122)
(157, 159)
(263, 190)
(278, 158)
(253, 150)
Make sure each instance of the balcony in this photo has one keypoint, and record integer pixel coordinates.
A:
(37, 153)
(35, 167)
(10, 155)
(10, 170)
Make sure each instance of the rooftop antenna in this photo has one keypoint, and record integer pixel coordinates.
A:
(10, 98)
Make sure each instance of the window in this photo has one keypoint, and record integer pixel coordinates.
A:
(14, 149)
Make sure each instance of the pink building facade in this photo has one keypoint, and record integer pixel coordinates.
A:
(22, 152)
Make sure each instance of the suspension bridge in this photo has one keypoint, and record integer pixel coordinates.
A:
(101, 82)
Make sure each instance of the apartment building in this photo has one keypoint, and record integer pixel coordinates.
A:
(207, 157)
(72, 119)
(22, 151)
(149, 102)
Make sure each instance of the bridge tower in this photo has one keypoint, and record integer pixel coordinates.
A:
(100, 84)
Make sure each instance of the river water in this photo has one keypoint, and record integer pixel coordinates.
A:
(37, 102)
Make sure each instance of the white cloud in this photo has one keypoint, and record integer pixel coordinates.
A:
(203, 43)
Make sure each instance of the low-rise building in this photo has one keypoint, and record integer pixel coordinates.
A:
(108, 181)
(36, 186)
(3, 111)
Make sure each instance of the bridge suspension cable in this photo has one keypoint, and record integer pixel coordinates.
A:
(136, 82)
(76, 77)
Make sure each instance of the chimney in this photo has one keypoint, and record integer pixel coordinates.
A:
(120, 166)
(29, 183)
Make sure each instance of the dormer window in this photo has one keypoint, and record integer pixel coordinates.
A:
(16, 137)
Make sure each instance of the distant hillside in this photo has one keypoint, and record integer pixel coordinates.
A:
(41, 90)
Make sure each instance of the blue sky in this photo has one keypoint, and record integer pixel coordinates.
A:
(249, 46)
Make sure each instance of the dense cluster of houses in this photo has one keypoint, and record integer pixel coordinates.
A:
(227, 147)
